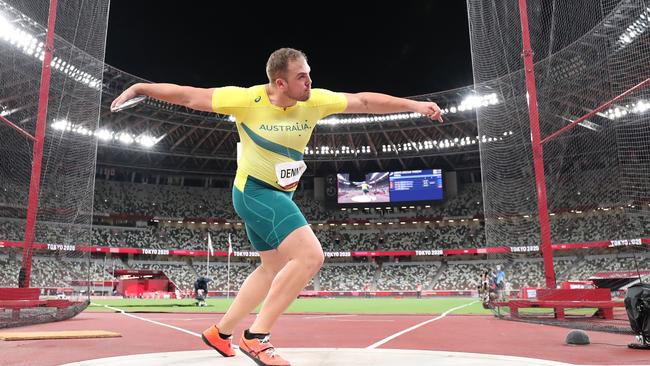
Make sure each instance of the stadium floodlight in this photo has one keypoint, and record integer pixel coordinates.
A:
(477, 101)
(146, 140)
(406, 146)
(32, 46)
(104, 135)
(60, 125)
(641, 106)
(126, 138)
(636, 29)
(367, 119)
(5, 27)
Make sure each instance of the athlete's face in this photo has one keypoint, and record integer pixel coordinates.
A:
(298, 82)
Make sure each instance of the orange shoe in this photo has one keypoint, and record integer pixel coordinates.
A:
(224, 346)
(262, 352)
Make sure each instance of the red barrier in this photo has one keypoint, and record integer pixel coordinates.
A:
(404, 253)
(307, 293)
(19, 293)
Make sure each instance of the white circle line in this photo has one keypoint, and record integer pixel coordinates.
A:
(389, 338)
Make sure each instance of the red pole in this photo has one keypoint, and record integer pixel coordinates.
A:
(37, 158)
(20, 130)
(598, 109)
(538, 153)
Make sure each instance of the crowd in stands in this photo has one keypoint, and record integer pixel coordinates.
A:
(608, 263)
(346, 277)
(406, 276)
(61, 271)
(452, 224)
(50, 270)
(165, 201)
(566, 228)
(170, 203)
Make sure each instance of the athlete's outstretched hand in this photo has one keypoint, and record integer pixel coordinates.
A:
(429, 109)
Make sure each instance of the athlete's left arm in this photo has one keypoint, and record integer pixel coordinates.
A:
(377, 103)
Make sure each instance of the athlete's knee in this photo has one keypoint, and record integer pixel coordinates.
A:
(313, 260)
(273, 269)
(272, 262)
(303, 247)
(320, 260)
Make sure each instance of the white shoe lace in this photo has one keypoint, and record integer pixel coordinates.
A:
(268, 351)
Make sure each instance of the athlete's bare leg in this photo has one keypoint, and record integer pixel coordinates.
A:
(305, 255)
(253, 290)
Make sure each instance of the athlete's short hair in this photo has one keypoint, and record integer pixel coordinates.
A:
(276, 66)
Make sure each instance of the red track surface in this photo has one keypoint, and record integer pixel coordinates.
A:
(477, 334)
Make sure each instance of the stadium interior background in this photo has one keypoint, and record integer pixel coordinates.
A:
(163, 178)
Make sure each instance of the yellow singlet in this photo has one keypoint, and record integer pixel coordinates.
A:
(269, 134)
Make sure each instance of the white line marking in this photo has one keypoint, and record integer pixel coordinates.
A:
(181, 319)
(328, 316)
(153, 321)
(387, 339)
(366, 320)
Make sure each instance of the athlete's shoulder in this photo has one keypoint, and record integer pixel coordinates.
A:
(327, 102)
(256, 93)
(242, 94)
(229, 98)
(321, 96)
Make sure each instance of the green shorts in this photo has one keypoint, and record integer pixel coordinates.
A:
(270, 215)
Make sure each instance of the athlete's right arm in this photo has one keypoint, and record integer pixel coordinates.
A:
(195, 98)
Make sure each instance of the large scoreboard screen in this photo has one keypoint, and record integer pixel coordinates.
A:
(416, 185)
(389, 187)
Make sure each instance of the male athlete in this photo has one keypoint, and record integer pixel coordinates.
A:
(274, 122)
(365, 188)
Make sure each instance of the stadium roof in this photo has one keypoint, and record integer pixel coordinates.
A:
(167, 138)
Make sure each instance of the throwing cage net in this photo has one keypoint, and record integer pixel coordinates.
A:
(51, 68)
(568, 163)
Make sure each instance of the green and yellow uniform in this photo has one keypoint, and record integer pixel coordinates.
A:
(273, 141)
